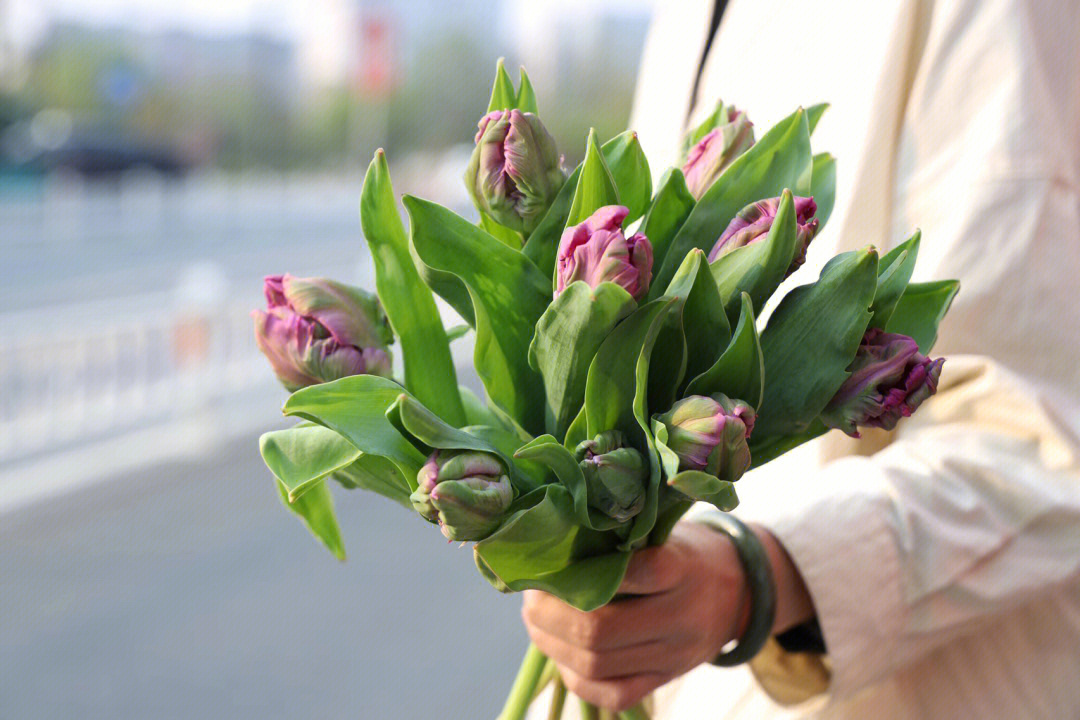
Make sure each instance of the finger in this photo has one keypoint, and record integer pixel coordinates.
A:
(618, 694)
(621, 623)
(652, 570)
(657, 657)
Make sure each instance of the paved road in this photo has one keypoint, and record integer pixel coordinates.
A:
(185, 591)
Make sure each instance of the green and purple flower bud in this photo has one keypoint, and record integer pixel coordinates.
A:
(615, 475)
(889, 379)
(316, 330)
(711, 155)
(597, 251)
(515, 171)
(710, 434)
(754, 221)
(465, 492)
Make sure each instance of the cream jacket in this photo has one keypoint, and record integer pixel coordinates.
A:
(943, 558)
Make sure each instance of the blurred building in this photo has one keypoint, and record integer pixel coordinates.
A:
(128, 62)
(231, 99)
(554, 40)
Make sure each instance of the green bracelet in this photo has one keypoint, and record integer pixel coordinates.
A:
(759, 580)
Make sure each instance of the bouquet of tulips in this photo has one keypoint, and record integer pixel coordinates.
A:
(626, 373)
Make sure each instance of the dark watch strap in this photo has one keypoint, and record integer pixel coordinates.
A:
(759, 581)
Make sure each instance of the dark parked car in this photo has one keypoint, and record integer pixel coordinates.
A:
(98, 154)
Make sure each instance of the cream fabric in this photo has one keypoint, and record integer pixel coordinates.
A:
(945, 567)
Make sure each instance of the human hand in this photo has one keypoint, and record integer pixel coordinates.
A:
(684, 601)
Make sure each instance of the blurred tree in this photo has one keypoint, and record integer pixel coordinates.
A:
(233, 103)
(445, 93)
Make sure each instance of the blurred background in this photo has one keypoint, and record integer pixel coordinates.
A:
(157, 159)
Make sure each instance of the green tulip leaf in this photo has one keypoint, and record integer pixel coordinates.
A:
(425, 348)
(823, 187)
(547, 451)
(667, 213)
(542, 245)
(508, 295)
(771, 448)
(578, 430)
(704, 321)
(667, 366)
(894, 273)
(428, 432)
(781, 159)
(508, 237)
(567, 337)
(302, 456)
(595, 186)
(633, 179)
(758, 268)
(316, 509)
(814, 113)
(503, 96)
(526, 96)
(616, 396)
(810, 341)
(355, 407)
(740, 371)
(673, 505)
(541, 546)
(456, 333)
(669, 461)
(377, 474)
(477, 412)
(706, 488)
(921, 309)
(613, 383)
(447, 286)
(620, 154)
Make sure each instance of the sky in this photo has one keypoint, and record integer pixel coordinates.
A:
(290, 18)
(315, 25)
(287, 18)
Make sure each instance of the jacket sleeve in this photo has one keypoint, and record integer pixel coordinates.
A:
(973, 508)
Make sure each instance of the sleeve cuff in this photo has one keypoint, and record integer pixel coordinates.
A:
(836, 527)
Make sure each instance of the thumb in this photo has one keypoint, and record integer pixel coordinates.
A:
(652, 570)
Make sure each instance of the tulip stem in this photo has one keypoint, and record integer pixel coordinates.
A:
(589, 711)
(635, 713)
(550, 673)
(528, 677)
(558, 700)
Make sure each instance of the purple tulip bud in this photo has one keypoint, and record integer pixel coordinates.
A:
(515, 170)
(597, 251)
(889, 379)
(754, 221)
(316, 330)
(465, 492)
(710, 434)
(711, 155)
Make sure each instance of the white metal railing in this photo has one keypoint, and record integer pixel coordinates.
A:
(128, 304)
(59, 390)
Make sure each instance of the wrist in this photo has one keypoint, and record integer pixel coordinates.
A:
(794, 605)
(750, 605)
